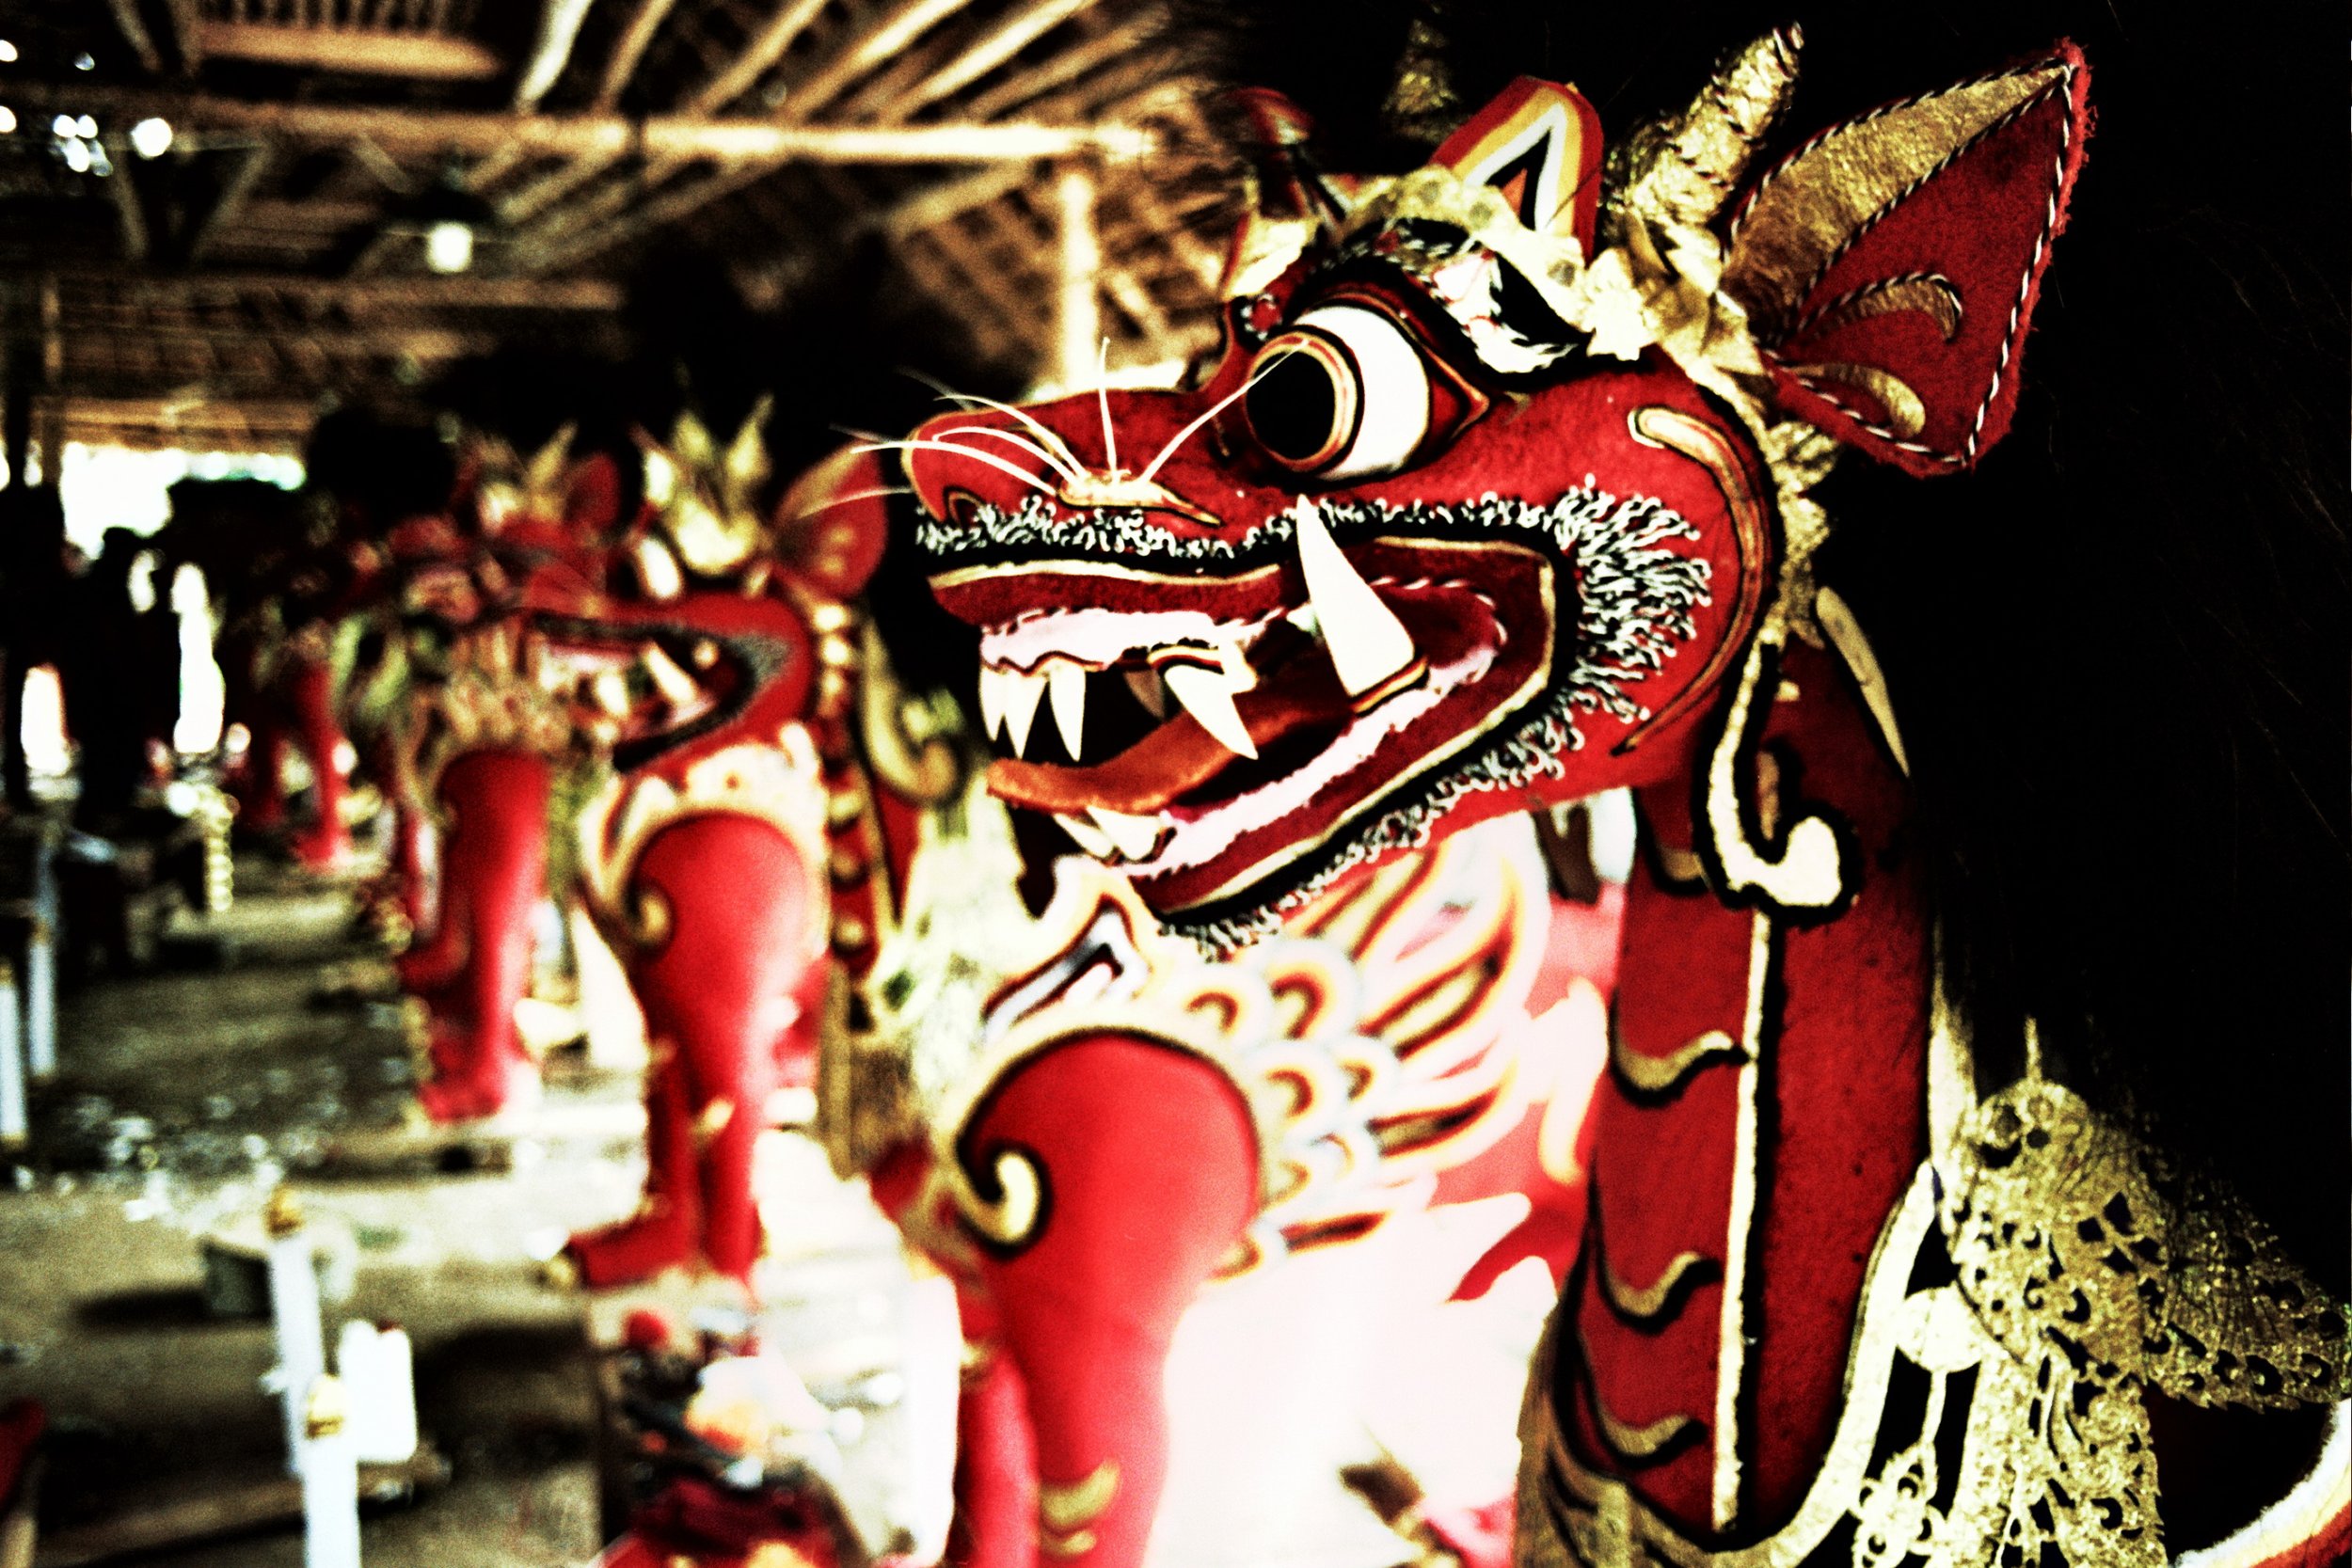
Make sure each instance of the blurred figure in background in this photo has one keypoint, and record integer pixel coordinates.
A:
(33, 581)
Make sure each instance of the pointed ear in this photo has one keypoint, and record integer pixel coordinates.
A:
(591, 496)
(1891, 266)
(833, 523)
(1539, 144)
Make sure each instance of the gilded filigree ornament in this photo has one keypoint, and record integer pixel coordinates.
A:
(707, 495)
(2077, 1268)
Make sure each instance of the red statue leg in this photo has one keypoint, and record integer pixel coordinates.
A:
(1148, 1170)
(727, 898)
(499, 848)
(995, 1467)
(262, 795)
(309, 686)
(663, 1232)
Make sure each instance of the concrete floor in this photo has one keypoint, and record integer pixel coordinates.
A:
(185, 1096)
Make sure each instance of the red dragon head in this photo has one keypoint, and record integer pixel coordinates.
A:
(1501, 470)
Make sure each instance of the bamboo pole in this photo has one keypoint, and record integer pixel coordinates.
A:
(1079, 317)
(636, 37)
(558, 30)
(1016, 32)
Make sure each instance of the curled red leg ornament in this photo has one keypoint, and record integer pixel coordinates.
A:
(1111, 1176)
(722, 946)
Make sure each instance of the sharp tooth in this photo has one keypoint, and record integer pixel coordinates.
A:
(1146, 684)
(677, 686)
(993, 683)
(1136, 837)
(1093, 840)
(1068, 683)
(1021, 693)
(610, 688)
(1238, 675)
(1209, 699)
(1368, 644)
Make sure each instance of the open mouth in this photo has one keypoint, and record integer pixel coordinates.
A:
(647, 689)
(1238, 718)
(1188, 726)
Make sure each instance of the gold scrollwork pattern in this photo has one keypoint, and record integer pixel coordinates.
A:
(2084, 1269)
(1065, 1509)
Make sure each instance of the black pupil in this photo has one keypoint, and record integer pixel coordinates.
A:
(1292, 408)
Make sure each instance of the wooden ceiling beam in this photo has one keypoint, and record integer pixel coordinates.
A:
(937, 204)
(727, 141)
(130, 216)
(588, 294)
(135, 33)
(760, 53)
(417, 342)
(357, 50)
(578, 231)
(187, 34)
(243, 180)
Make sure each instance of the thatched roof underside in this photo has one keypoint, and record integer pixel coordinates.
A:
(273, 261)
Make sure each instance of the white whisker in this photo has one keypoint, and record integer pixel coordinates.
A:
(961, 450)
(1189, 431)
(1063, 459)
(1012, 438)
(1103, 396)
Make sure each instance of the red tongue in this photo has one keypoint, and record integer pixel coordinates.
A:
(1179, 756)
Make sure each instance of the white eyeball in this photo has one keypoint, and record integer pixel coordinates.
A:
(1341, 393)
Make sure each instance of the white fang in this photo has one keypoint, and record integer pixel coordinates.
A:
(1209, 698)
(1136, 837)
(1368, 644)
(1146, 684)
(1021, 693)
(1093, 840)
(1069, 684)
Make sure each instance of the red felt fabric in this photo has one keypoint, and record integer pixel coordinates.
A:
(1546, 446)
(1985, 223)
(309, 684)
(496, 866)
(995, 1470)
(21, 1424)
(695, 1523)
(1477, 1537)
(1839, 1126)
(718, 997)
(1847, 1123)
(1151, 1168)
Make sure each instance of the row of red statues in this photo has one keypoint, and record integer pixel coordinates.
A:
(1496, 506)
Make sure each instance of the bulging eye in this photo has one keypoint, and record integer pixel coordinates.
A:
(1341, 393)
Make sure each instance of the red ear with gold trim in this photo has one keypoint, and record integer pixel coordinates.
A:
(1891, 266)
(591, 496)
(833, 523)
